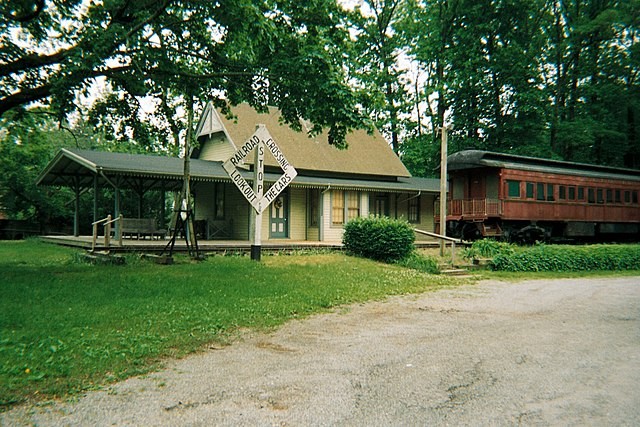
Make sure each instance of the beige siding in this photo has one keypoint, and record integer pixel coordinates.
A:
(297, 214)
(331, 233)
(238, 210)
(204, 201)
(216, 148)
(426, 216)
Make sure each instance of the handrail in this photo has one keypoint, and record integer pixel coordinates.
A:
(444, 238)
(107, 231)
(438, 236)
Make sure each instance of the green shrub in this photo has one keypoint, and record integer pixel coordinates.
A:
(487, 248)
(420, 262)
(570, 258)
(379, 238)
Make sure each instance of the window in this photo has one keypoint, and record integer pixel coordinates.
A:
(627, 196)
(592, 195)
(562, 192)
(530, 188)
(580, 193)
(353, 205)
(540, 191)
(572, 193)
(550, 196)
(313, 207)
(513, 189)
(380, 204)
(414, 210)
(337, 207)
(219, 200)
(600, 193)
(634, 197)
(609, 196)
(345, 205)
(618, 196)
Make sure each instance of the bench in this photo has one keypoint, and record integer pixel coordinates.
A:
(141, 227)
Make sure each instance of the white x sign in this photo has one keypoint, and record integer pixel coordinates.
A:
(259, 140)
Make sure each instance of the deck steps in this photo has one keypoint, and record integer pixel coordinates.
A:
(103, 257)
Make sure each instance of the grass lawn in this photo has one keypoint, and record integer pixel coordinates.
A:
(66, 326)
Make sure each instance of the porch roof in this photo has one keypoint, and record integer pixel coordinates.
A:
(77, 167)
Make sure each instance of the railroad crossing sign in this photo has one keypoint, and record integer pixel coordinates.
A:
(256, 195)
(258, 141)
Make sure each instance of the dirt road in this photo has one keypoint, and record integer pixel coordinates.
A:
(553, 352)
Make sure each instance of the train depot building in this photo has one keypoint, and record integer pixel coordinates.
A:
(332, 185)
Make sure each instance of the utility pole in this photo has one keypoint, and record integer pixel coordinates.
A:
(443, 187)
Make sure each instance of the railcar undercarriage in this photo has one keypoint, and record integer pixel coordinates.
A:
(528, 232)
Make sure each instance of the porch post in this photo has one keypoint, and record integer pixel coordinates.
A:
(116, 206)
(76, 213)
(443, 187)
(162, 207)
(95, 197)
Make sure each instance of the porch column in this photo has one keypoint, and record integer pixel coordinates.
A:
(95, 197)
(116, 206)
(76, 205)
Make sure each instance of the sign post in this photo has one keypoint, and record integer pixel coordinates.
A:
(256, 196)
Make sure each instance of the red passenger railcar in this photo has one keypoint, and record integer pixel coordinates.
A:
(526, 199)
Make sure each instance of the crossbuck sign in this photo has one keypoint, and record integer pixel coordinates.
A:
(258, 141)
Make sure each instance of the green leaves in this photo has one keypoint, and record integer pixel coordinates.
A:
(569, 258)
(261, 52)
(379, 238)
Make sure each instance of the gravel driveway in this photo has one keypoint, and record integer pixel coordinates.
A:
(543, 352)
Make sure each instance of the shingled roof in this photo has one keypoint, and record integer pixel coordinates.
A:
(368, 154)
(71, 167)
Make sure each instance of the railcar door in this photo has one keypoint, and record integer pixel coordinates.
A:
(476, 187)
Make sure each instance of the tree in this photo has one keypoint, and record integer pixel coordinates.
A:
(25, 147)
(593, 81)
(375, 65)
(262, 52)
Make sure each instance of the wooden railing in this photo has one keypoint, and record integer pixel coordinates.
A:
(106, 223)
(471, 208)
(444, 240)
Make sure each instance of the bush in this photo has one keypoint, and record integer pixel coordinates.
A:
(379, 238)
(570, 258)
(420, 262)
(488, 248)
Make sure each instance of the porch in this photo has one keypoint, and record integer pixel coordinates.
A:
(204, 246)
(470, 209)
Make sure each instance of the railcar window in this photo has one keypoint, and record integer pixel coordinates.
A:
(513, 189)
(550, 195)
(627, 196)
(592, 195)
(634, 197)
(562, 192)
(540, 191)
(609, 195)
(572, 193)
(530, 188)
(580, 193)
(600, 195)
(618, 196)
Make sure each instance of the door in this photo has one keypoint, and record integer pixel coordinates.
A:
(380, 205)
(279, 223)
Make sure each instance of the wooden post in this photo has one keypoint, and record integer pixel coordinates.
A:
(443, 187)
(107, 232)
(258, 189)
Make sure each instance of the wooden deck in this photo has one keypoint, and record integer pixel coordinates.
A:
(205, 246)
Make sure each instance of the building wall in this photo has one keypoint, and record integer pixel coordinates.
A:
(217, 148)
(237, 213)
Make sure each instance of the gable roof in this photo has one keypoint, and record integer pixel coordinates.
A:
(367, 154)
